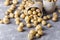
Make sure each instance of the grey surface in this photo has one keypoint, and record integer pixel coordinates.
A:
(9, 32)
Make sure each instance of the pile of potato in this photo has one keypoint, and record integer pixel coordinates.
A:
(32, 17)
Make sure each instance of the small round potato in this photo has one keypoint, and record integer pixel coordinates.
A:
(54, 19)
(39, 14)
(54, 13)
(20, 28)
(10, 10)
(44, 22)
(11, 15)
(32, 32)
(38, 27)
(32, 20)
(25, 12)
(6, 20)
(37, 35)
(1, 21)
(17, 22)
(40, 19)
(48, 25)
(13, 7)
(30, 36)
(30, 4)
(35, 23)
(31, 16)
(15, 1)
(34, 12)
(21, 24)
(33, 9)
(21, 7)
(17, 19)
(38, 10)
(7, 16)
(40, 32)
(48, 16)
(55, 0)
(17, 12)
(50, 0)
(28, 25)
(6, 3)
(27, 21)
(23, 2)
(59, 10)
(45, 18)
(7, 13)
(16, 16)
(22, 16)
(29, 12)
(56, 16)
(27, 18)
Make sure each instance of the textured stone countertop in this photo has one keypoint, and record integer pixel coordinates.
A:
(9, 32)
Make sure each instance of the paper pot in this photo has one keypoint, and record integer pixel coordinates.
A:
(37, 5)
(49, 6)
(58, 4)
